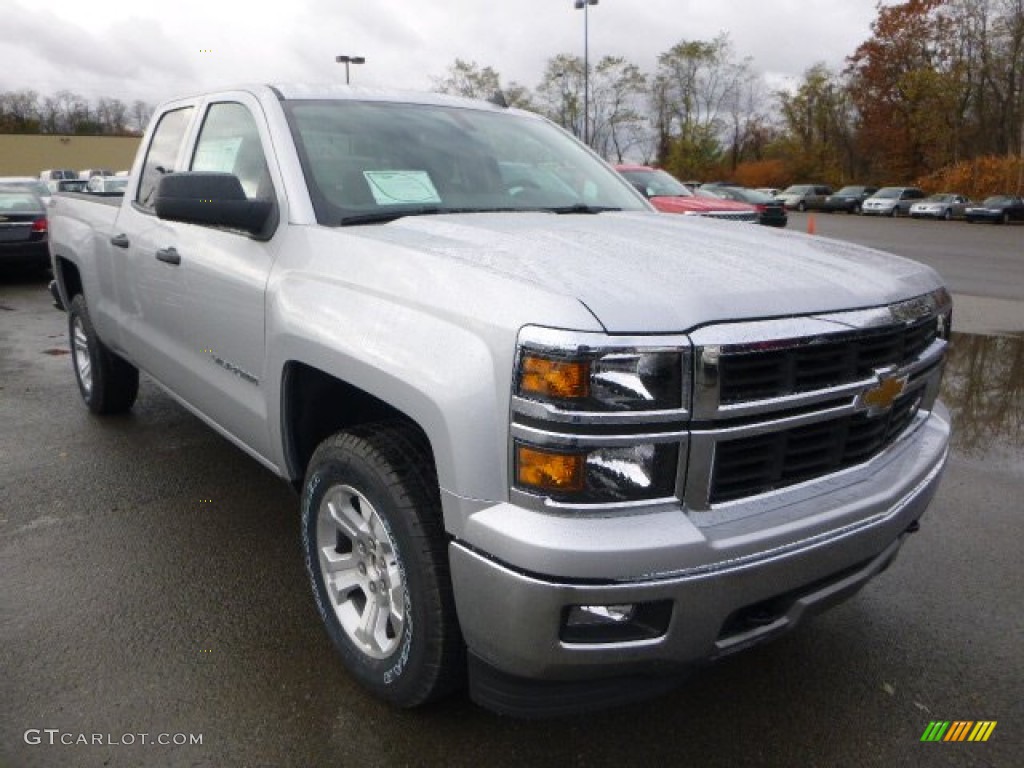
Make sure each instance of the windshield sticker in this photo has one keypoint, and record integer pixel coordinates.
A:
(401, 187)
(217, 155)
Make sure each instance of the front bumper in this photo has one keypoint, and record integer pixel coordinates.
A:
(730, 585)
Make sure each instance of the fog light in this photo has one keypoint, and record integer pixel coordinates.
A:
(615, 623)
(600, 614)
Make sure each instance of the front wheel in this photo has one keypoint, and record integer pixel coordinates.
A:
(947, 215)
(801, 206)
(376, 556)
(108, 383)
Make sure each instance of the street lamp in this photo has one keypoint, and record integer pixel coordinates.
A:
(577, 4)
(346, 60)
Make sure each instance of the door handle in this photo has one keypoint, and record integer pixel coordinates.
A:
(121, 241)
(169, 255)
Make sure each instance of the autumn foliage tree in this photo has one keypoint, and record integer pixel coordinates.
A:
(938, 82)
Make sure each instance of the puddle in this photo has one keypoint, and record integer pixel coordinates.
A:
(983, 386)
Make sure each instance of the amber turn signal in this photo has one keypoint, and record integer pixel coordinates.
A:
(549, 471)
(549, 378)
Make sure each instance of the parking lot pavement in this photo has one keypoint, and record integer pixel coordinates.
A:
(151, 583)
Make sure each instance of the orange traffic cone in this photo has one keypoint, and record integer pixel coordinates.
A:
(810, 224)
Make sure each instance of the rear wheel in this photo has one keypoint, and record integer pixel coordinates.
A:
(376, 556)
(108, 383)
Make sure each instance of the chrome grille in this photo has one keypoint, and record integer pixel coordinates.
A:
(746, 216)
(840, 359)
(783, 401)
(753, 465)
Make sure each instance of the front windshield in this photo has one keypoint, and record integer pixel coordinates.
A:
(888, 193)
(997, 200)
(376, 161)
(850, 191)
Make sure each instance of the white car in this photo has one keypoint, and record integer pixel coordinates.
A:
(945, 206)
(107, 185)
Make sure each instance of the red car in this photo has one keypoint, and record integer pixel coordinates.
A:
(670, 195)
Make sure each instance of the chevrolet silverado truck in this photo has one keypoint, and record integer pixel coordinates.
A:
(550, 444)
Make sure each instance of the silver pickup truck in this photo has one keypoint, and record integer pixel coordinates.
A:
(546, 438)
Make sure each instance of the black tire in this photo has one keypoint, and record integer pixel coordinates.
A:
(108, 383)
(383, 475)
(947, 215)
(801, 206)
(1004, 219)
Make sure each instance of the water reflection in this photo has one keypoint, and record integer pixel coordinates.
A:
(984, 389)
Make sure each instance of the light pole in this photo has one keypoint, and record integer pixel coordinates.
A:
(586, 68)
(346, 60)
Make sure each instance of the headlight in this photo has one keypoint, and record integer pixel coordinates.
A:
(598, 419)
(590, 372)
(599, 475)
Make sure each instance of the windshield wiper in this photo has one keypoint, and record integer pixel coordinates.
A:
(383, 217)
(582, 208)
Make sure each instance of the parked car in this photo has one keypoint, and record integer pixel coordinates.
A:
(945, 205)
(88, 173)
(50, 177)
(72, 185)
(803, 197)
(770, 211)
(669, 195)
(107, 185)
(999, 209)
(30, 184)
(23, 227)
(848, 199)
(891, 201)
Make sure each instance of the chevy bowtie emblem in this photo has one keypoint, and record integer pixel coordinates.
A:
(879, 397)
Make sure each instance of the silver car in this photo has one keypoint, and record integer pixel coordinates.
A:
(945, 205)
(802, 197)
(891, 201)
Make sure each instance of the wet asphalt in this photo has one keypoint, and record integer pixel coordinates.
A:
(151, 582)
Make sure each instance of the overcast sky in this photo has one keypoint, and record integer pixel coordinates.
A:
(131, 49)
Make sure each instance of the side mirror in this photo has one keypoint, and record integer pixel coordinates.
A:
(210, 199)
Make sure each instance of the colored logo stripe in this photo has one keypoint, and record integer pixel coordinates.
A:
(958, 730)
(982, 730)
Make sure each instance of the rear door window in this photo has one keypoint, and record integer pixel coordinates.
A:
(162, 153)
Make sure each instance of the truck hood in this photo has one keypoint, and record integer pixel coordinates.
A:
(652, 273)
